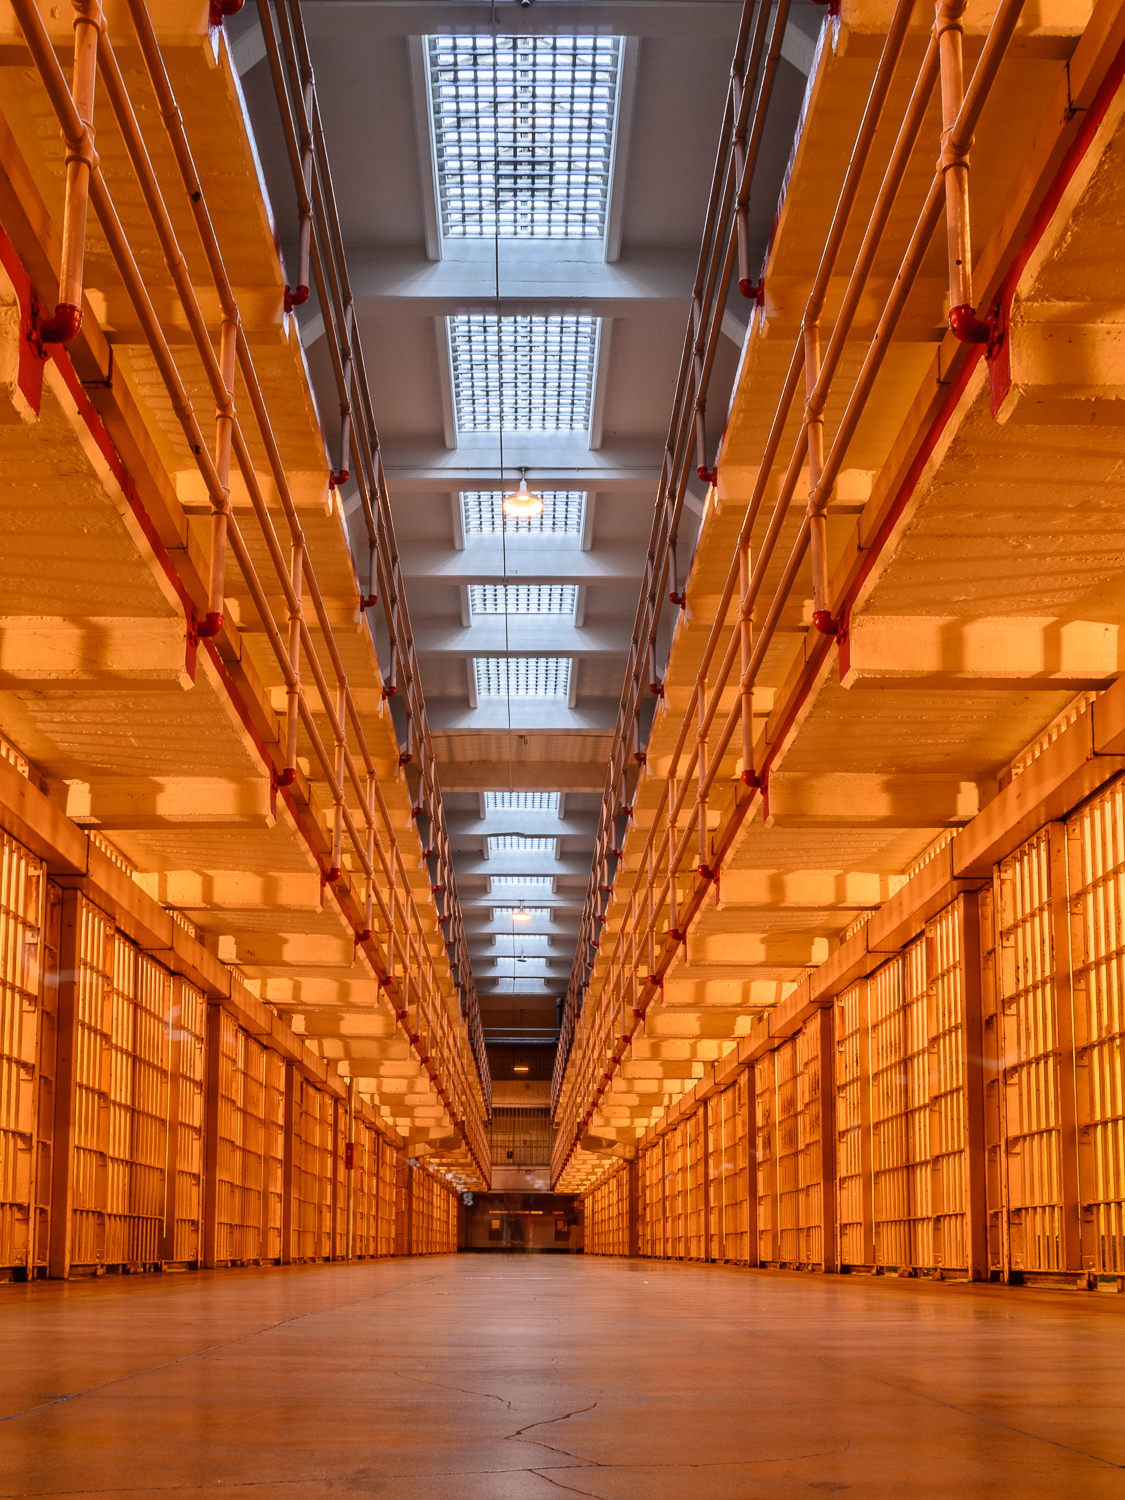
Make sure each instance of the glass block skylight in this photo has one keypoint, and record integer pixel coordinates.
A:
(564, 514)
(543, 883)
(518, 843)
(522, 676)
(522, 944)
(523, 599)
(525, 372)
(507, 914)
(547, 802)
(523, 131)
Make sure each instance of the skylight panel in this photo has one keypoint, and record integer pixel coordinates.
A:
(564, 514)
(522, 676)
(507, 913)
(526, 373)
(521, 802)
(523, 133)
(522, 944)
(523, 599)
(544, 883)
(518, 843)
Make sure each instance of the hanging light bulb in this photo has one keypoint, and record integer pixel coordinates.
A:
(523, 505)
(522, 915)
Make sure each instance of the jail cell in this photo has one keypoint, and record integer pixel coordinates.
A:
(788, 1147)
(365, 1190)
(675, 1180)
(21, 926)
(138, 1107)
(339, 1184)
(765, 1146)
(948, 1088)
(900, 1103)
(273, 1153)
(121, 1113)
(853, 1127)
(652, 1199)
(240, 1145)
(388, 1170)
(314, 1115)
(815, 1207)
(1030, 966)
(433, 1215)
(1096, 874)
(728, 1172)
(186, 1036)
(93, 979)
(695, 1165)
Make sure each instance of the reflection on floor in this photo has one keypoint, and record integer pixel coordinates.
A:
(517, 1377)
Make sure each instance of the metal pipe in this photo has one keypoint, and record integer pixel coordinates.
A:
(66, 319)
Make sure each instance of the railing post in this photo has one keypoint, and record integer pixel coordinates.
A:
(293, 692)
(746, 645)
(338, 793)
(701, 770)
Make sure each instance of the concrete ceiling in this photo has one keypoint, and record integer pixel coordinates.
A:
(677, 63)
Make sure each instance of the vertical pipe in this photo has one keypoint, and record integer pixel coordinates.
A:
(67, 317)
(955, 169)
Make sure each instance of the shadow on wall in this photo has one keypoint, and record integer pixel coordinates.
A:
(538, 1222)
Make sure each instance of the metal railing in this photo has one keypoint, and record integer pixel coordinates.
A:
(680, 859)
(322, 262)
(363, 840)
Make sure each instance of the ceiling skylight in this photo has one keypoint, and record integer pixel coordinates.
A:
(521, 944)
(522, 676)
(543, 883)
(507, 913)
(564, 514)
(523, 132)
(523, 599)
(524, 372)
(547, 802)
(518, 843)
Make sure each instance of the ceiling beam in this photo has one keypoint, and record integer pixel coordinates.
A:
(337, 21)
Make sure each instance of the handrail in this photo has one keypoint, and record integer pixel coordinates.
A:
(725, 243)
(430, 1032)
(322, 249)
(595, 1037)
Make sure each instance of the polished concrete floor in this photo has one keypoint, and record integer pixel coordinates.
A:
(517, 1378)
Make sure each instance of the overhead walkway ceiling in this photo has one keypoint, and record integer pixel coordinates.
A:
(519, 758)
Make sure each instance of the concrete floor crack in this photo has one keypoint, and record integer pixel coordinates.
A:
(549, 1422)
(439, 1385)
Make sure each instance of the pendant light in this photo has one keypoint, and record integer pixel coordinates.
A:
(522, 915)
(524, 504)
